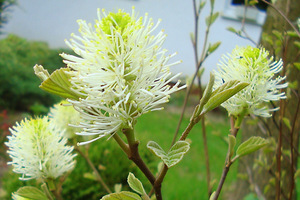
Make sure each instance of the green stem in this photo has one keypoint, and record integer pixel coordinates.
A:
(228, 162)
(121, 143)
(53, 189)
(46, 191)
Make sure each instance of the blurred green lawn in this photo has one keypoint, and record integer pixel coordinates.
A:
(187, 180)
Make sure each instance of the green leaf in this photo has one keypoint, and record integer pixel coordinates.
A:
(118, 187)
(297, 44)
(297, 65)
(192, 36)
(200, 72)
(31, 193)
(213, 47)
(277, 34)
(292, 34)
(293, 85)
(223, 93)
(233, 30)
(205, 97)
(174, 155)
(89, 176)
(231, 143)
(252, 144)
(211, 19)
(202, 4)
(297, 174)
(122, 196)
(135, 184)
(286, 121)
(252, 2)
(59, 84)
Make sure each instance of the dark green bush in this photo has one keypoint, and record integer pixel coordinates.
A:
(114, 168)
(19, 86)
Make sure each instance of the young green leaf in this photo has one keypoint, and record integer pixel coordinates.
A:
(31, 193)
(90, 176)
(202, 4)
(286, 121)
(297, 44)
(297, 65)
(211, 19)
(174, 155)
(118, 187)
(252, 2)
(206, 95)
(213, 47)
(297, 174)
(122, 196)
(252, 144)
(59, 84)
(233, 30)
(223, 93)
(292, 34)
(135, 184)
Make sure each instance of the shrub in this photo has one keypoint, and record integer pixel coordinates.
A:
(108, 158)
(19, 87)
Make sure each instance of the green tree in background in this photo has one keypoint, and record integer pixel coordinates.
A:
(19, 89)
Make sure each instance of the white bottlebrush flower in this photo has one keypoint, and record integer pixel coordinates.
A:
(251, 65)
(65, 117)
(38, 150)
(121, 70)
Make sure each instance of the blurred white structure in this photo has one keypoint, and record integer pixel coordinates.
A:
(53, 21)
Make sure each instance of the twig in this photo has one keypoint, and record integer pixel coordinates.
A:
(136, 158)
(198, 65)
(228, 162)
(279, 145)
(243, 25)
(292, 151)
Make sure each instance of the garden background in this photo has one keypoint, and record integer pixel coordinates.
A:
(20, 97)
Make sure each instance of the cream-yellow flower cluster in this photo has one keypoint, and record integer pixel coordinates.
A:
(251, 65)
(38, 149)
(121, 71)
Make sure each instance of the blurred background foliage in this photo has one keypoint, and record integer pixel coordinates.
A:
(19, 87)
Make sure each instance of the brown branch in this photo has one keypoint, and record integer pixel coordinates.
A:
(292, 151)
(136, 158)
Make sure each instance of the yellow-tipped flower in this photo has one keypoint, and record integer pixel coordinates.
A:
(65, 117)
(121, 70)
(251, 65)
(38, 150)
